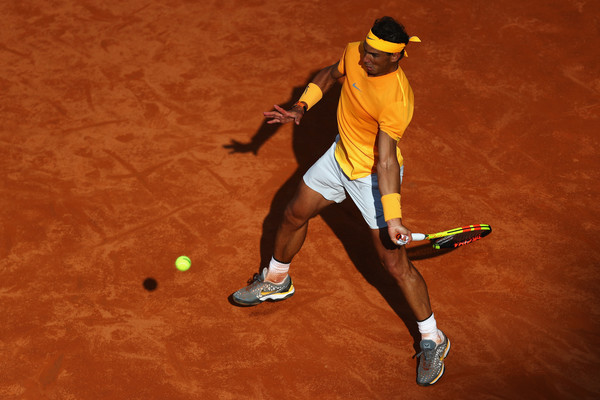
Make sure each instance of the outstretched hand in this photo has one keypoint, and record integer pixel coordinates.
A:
(281, 116)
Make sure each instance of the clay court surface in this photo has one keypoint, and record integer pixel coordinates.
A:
(132, 133)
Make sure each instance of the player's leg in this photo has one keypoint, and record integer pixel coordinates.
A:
(409, 280)
(306, 204)
(365, 194)
(274, 283)
(434, 344)
(395, 260)
(319, 188)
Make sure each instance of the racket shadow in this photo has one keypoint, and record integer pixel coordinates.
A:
(425, 251)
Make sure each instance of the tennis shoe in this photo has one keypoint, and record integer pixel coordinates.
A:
(431, 361)
(260, 290)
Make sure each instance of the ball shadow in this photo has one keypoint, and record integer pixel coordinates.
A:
(150, 284)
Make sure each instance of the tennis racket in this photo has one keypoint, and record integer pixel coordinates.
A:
(452, 238)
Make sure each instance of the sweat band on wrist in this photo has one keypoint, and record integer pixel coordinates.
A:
(311, 96)
(391, 206)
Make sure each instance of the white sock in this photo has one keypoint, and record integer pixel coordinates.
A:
(429, 331)
(277, 270)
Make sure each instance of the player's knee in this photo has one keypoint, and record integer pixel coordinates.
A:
(292, 217)
(398, 267)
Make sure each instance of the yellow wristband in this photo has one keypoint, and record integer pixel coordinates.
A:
(391, 206)
(311, 96)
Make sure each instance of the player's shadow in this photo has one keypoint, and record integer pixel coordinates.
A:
(310, 140)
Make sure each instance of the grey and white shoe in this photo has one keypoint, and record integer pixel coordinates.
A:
(431, 361)
(261, 290)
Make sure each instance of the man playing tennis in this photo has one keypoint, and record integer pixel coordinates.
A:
(374, 109)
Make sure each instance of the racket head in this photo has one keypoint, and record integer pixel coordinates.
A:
(458, 237)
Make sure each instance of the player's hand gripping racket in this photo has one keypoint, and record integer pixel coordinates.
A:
(452, 238)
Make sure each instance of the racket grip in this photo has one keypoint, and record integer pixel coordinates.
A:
(415, 237)
(418, 236)
(399, 240)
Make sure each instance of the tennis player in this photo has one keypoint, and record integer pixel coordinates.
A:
(365, 162)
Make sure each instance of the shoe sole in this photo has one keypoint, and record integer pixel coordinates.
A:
(270, 297)
(437, 378)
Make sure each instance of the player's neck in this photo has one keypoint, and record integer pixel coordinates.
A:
(385, 72)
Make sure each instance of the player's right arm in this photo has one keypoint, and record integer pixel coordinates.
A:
(388, 176)
(323, 81)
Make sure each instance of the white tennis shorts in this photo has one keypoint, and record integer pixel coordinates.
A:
(327, 178)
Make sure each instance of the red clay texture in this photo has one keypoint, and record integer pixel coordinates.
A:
(131, 132)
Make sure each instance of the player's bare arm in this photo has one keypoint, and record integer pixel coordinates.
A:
(388, 175)
(324, 79)
(327, 77)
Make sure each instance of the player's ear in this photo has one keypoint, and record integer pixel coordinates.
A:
(395, 57)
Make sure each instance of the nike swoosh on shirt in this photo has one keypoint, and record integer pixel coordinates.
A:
(356, 87)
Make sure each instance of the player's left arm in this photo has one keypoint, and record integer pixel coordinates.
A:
(322, 82)
(388, 176)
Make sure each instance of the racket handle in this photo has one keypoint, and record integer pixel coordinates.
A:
(415, 237)
(418, 236)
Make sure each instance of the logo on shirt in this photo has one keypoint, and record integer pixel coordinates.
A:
(356, 87)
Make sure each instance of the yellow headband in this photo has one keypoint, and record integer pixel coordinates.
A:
(389, 47)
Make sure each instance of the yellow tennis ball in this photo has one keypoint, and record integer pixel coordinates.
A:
(183, 263)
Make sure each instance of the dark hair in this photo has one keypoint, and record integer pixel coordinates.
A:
(387, 28)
